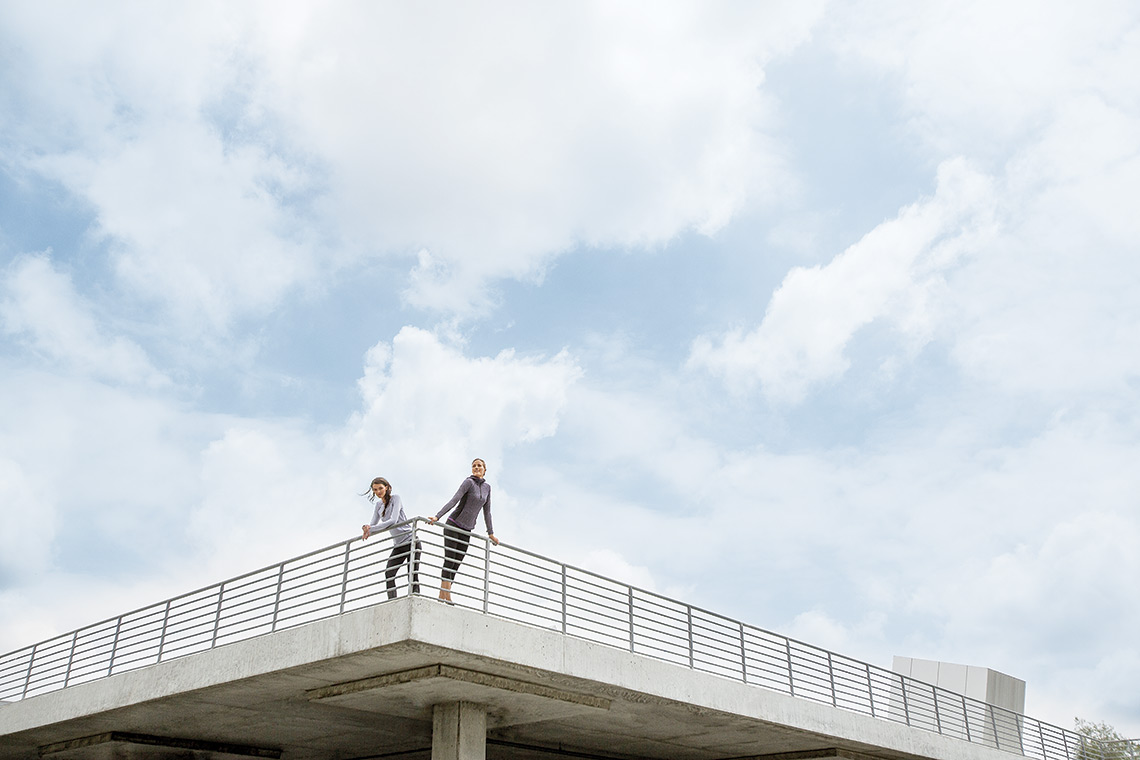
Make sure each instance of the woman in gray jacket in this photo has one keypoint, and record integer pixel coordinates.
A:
(474, 494)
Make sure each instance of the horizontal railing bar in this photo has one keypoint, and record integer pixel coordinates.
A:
(729, 655)
(524, 611)
(657, 645)
(582, 623)
(571, 609)
(252, 593)
(508, 557)
(652, 617)
(541, 591)
(584, 603)
(508, 581)
(726, 634)
(587, 582)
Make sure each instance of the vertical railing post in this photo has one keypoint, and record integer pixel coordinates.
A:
(1041, 736)
(162, 632)
(114, 645)
(413, 559)
(344, 576)
(28, 677)
(966, 717)
(870, 690)
(218, 615)
(565, 598)
(993, 723)
(689, 617)
(486, 575)
(906, 706)
(277, 597)
(743, 656)
(831, 678)
(937, 711)
(70, 659)
(791, 674)
(630, 598)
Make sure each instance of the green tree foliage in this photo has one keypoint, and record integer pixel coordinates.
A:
(1103, 742)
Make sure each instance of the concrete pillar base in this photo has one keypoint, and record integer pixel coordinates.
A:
(459, 731)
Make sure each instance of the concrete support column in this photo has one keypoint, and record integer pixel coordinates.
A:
(459, 731)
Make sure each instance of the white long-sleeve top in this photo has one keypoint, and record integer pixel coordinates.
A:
(389, 518)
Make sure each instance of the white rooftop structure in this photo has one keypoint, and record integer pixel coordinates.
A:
(980, 683)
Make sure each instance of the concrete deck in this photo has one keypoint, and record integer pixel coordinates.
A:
(363, 685)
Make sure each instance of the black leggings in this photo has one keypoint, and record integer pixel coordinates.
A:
(455, 542)
(398, 557)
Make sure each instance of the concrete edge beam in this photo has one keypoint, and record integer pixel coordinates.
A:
(458, 674)
(164, 742)
(815, 754)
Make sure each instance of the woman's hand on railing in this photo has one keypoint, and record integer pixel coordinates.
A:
(494, 540)
(367, 531)
(431, 520)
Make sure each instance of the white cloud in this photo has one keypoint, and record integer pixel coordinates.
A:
(41, 305)
(29, 525)
(428, 409)
(95, 481)
(824, 631)
(195, 224)
(1026, 271)
(979, 78)
(1050, 308)
(1037, 90)
(611, 564)
(268, 492)
(1056, 611)
(232, 154)
(893, 274)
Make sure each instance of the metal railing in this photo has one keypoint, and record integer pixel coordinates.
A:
(524, 587)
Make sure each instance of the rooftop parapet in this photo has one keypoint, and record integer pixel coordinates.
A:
(524, 587)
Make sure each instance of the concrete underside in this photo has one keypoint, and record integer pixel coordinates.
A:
(363, 685)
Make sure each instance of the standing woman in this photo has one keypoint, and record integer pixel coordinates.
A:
(389, 516)
(474, 494)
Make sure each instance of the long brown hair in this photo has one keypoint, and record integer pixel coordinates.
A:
(387, 492)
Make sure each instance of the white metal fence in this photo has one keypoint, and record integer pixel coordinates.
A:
(522, 586)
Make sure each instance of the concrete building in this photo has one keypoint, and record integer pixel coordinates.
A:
(538, 661)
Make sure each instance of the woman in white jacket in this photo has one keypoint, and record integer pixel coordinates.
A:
(389, 515)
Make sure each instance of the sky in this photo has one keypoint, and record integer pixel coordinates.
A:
(819, 315)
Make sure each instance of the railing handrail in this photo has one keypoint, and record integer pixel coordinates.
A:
(922, 703)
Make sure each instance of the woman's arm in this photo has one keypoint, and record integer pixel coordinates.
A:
(463, 488)
(487, 517)
(375, 518)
